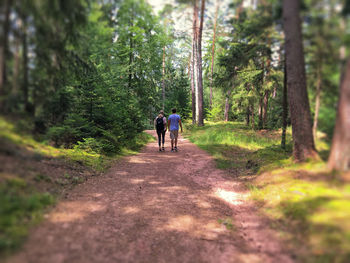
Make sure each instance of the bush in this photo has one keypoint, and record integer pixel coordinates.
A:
(216, 114)
(61, 135)
(109, 143)
(90, 145)
(73, 129)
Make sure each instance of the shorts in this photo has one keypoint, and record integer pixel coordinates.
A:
(174, 134)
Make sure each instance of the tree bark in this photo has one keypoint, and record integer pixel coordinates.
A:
(163, 80)
(285, 109)
(342, 49)
(239, 9)
(16, 64)
(194, 63)
(227, 106)
(267, 68)
(131, 45)
(247, 119)
(265, 108)
(317, 102)
(212, 57)
(193, 85)
(248, 109)
(260, 123)
(252, 119)
(199, 65)
(25, 82)
(303, 141)
(339, 158)
(4, 49)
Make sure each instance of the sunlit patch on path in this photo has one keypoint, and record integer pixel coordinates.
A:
(74, 211)
(230, 197)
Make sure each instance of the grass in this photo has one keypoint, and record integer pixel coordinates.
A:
(234, 146)
(21, 207)
(22, 201)
(307, 204)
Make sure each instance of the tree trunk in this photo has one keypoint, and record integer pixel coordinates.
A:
(189, 64)
(25, 83)
(342, 49)
(131, 45)
(227, 105)
(4, 49)
(303, 140)
(193, 86)
(194, 63)
(285, 109)
(212, 57)
(247, 119)
(252, 119)
(265, 108)
(16, 64)
(317, 102)
(163, 80)
(267, 68)
(339, 158)
(260, 123)
(199, 65)
(239, 9)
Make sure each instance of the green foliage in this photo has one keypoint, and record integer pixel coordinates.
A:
(244, 68)
(89, 145)
(178, 94)
(322, 46)
(21, 207)
(95, 72)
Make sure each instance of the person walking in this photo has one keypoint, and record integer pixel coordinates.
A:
(174, 121)
(160, 127)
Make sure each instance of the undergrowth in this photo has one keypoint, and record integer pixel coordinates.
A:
(307, 204)
(21, 207)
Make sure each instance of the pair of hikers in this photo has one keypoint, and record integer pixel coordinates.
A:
(161, 126)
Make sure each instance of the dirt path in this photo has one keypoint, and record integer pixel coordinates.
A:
(155, 207)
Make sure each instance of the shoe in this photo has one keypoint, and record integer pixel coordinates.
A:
(175, 149)
(172, 150)
(160, 149)
(163, 149)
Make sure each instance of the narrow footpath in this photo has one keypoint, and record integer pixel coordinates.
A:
(156, 207)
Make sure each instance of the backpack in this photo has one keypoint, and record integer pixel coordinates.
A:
(159, 124)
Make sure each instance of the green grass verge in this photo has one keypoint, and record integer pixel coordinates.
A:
(309, 206)
(22, 205)
(234, 146)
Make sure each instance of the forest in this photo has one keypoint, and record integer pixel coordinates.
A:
(259, 84)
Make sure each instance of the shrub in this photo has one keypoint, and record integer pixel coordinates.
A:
(89, 145)
(62, 135)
